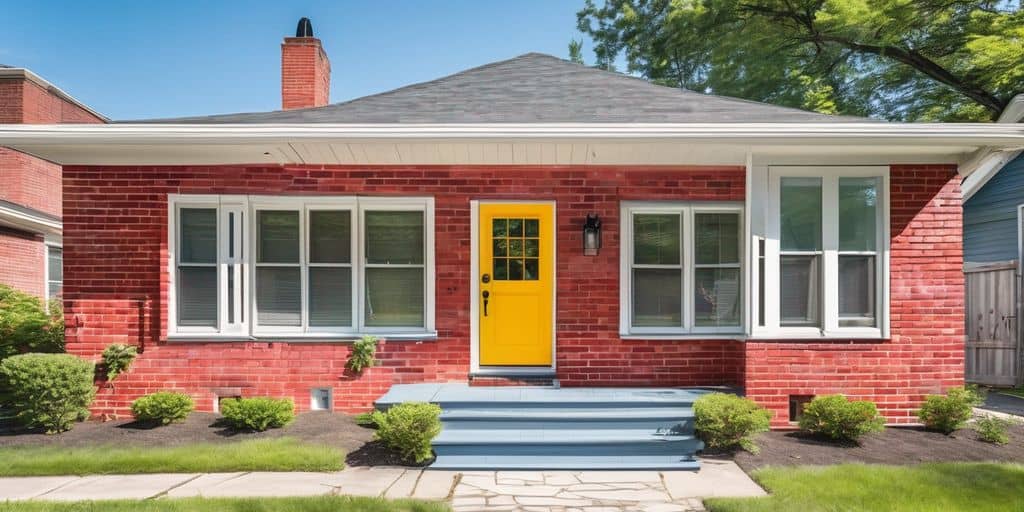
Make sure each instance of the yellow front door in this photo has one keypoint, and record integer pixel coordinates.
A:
(516, 284)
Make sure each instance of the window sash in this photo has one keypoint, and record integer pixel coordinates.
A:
(686, 267)
(770, 324)
(247, 239)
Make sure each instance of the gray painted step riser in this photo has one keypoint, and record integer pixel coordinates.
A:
(577, 414)
(468, 463)
(675, 425)
(680, 448)
(505, 405)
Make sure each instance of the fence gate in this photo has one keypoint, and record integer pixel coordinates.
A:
(992, 356)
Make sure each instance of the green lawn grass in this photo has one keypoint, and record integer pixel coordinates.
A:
(284, 454)
(314, 504)
(854, 487)
(1015, 392)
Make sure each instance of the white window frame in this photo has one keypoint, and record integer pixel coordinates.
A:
(829, 328)
(687, 212)
(243, 265)
(46, 270)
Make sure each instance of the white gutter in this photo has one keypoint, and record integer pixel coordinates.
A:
(24, 221)
(1002, 136)
(987, 162)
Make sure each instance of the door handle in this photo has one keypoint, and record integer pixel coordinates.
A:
(486, 294)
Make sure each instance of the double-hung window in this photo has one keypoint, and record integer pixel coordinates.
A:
(826, 256)
(681, 268)
(301, 267)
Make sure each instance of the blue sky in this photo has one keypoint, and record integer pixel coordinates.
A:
(143, 58)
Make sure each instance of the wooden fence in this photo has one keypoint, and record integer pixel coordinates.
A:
(993, 342)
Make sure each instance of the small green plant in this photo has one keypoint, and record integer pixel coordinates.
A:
(364, 419)
(117, 358)
(258, 413)
(163, 407)
(837, 418)
(993, 430)
(48, 391)
(950, 412)
(725, 421)
(27, 325)
(409, 428)
(362, 356)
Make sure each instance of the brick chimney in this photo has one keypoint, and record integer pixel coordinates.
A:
(305, 70)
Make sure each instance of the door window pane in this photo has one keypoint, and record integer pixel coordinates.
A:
(799, 282)
(278, 236)
(656, 239)
(856, 291)
(394, 297)
(394, 237)
(800, 221)
(717, 296)
(55, 270)
(858, 218)
(657, 297)
(197, 296)
(279, 296)
(330, 236)
(716, 238)
(330, 296)
(515, 257)
(198, 228)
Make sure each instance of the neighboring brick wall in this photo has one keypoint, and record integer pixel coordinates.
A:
(29, 181)
(926, 351)
(22, 261)
(305, 73)
(115, 279)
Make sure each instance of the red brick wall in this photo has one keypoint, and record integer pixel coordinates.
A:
(926, 351)
(115, 282)
(305, 73)
(22, 261)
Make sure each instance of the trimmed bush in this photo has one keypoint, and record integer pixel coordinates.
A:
(362, 355)
(48, 391)
(993, 430)
(163, 407)
(835, 417)
(409, 428)
(950, 412)
(258, 413)
(26, 326)
(117, 358)
(725, 421)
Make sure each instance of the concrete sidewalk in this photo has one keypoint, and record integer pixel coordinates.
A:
(667, 491)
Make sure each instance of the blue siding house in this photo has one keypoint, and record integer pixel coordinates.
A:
(991, 228)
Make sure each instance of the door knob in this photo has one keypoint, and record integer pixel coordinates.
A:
(486, 294)
(486, 278)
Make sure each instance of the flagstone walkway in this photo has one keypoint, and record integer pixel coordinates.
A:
(526, 491)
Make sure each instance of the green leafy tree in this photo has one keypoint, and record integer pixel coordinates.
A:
(909, 60)
(27, 326)
(576, 51)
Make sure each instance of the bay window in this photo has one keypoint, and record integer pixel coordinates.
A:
(681, 270)
(824, 262)
(315, 266)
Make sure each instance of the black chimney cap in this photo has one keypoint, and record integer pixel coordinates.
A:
(305, 28)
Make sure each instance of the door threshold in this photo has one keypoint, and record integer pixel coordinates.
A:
(513, 371)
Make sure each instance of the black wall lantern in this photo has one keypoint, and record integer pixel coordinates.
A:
(592, 235)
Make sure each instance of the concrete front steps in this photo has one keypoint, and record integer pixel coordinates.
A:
(488, 428)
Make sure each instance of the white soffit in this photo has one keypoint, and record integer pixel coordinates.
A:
(542, 144)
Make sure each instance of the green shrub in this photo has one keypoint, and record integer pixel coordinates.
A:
(117, 358)
(949, 413)
(163, 407)
(258, 413)
(993, 430)
(364, 419)
(27, 326)
(409, 428)
(835, 417)
(48, 391)
(362, 355)
(726, 421)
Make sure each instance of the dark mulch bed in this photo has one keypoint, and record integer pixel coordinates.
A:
(338, 430)
(902, 445)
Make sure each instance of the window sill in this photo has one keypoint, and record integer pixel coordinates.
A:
(297, 338)
(683, 337)
(819, 335)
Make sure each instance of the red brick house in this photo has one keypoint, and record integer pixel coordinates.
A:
(527, 219)
(30, 197)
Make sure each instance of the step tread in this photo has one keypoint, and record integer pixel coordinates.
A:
(580, 414)
(554, 436)
(585, 462)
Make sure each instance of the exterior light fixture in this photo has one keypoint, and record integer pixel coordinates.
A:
(592, 235)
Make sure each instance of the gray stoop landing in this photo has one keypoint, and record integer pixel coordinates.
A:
(530, 428)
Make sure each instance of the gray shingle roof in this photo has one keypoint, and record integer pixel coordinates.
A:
(531, 88)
